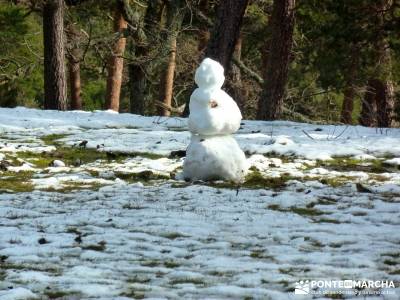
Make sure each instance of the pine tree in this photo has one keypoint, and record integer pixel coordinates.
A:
(116, 61)
(54, 57)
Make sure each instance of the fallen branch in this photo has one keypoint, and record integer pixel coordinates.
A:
(248, 71)
(178, 110)
(297, 116)
(306, 133)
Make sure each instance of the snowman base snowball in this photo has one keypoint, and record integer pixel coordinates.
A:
(214, 158)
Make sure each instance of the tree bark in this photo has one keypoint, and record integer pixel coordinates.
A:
(378, 104)
(350, 88)
(137, 70)
(74, 68)
(234, 85)
(55, 95)
(385, 104)
(224, 35)
(277, 60)
(75, 81)
(116, 62)
(204, 33)
(167, 80)
(174, 22)
(368, 105)
(226, 31)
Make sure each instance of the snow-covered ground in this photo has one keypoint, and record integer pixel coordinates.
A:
(321, 203)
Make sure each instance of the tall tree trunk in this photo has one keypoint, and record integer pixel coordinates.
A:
(385, 104)
(380, 87)
(234, 84)
(75, 80)
(277, 60)
(167, 80)
(137, 70)
(174, 22)
(226, 31)
(74, 68)
(350, 88)
(55, 96)
(116, 62)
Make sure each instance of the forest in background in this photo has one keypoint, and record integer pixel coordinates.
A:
(328, 61)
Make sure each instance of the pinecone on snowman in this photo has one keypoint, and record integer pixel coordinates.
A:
(213, 153)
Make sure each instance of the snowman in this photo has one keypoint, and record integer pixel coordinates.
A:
(213, 153)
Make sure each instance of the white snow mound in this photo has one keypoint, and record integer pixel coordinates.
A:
(213, 158)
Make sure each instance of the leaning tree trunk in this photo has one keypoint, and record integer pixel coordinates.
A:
(55, 95)
(74, 68)
(380, 87)
(204, 32)
(350, 87)
(234, 83)
(385, 104)
(174, 22)
(75, 81)
(368, 104)
(225, 34)
(138, 69)
(116, 62)
(277, 60)
(226, 31)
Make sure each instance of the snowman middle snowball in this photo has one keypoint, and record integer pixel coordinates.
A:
(212, 110)
(214, 116)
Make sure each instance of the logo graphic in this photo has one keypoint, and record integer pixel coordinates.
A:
(302, 287)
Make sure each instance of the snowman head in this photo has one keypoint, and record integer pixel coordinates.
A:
(210, 74)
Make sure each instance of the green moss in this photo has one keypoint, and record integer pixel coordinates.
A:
(172, 128)
(302, 211)
(172, 235)
(151, 263)
(260, 254)
(283, 158)
(52, 139)
(334, 182)
(221, 273)
(294, 271)
(141, 176)
(31, 267)
(326, 220)
(16, 182)
(70, 186)
(39, 160)
(70, 156)
(138, 279)
(134, 294)
(196, 281)
(345, 164)
(101, 246)
(390, 262)
(256, 180)
(60, 294)
(171, 264)
(393, 255)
